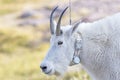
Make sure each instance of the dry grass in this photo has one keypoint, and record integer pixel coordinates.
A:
(20, 61)
(9, 6)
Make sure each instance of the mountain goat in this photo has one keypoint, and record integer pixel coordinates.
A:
(98, 47)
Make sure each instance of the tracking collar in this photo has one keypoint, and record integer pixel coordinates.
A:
(77, 49)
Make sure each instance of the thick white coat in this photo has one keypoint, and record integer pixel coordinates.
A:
(100, 55)
(101, 48)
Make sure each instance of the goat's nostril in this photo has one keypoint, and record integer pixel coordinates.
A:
(43, 67)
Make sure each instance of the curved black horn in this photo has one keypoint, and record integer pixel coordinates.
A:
(52, 26)
(59, 22)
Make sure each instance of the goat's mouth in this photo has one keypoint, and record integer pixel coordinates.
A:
(50, 72)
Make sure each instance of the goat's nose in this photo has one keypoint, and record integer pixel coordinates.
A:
(47, 67)
(43, 67)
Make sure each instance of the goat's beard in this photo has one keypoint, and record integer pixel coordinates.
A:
(60, 69)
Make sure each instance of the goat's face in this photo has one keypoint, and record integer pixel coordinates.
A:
(61, 49)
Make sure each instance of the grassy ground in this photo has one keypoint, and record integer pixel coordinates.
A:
(18, 61)
(9, 6)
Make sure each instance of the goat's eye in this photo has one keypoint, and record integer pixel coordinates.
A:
(60, 43)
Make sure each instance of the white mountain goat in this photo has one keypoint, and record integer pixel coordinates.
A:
(95, 45)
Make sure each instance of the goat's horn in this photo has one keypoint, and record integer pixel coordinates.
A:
(59, 22)
(52, 26)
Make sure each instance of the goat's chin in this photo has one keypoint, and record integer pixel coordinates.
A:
(60, 71)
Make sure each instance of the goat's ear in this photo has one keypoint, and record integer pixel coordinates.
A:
(55, 24)
(75, 26)
(72, 29)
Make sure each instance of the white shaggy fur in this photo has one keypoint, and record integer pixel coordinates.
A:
(100, 55)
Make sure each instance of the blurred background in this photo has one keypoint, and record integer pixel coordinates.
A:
(24, 34)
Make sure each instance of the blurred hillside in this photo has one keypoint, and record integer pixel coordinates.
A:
(24, 34)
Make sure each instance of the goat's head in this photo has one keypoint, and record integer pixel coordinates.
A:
(61, 49)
